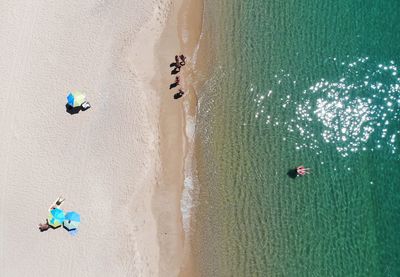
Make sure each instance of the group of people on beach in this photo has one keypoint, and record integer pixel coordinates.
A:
(179, 62)
(56, 205)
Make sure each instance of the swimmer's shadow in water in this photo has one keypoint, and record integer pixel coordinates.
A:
(292, 173)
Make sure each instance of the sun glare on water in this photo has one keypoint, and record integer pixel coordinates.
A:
(357, 111)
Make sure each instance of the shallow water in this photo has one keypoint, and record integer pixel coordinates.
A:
(300, 82)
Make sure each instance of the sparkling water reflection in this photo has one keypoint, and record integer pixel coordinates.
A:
(357, 111)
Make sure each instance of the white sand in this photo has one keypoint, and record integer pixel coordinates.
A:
(104, 160)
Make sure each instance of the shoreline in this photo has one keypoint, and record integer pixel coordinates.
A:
(182, 29)
(190, 30)
(198, 44)
(166, 196)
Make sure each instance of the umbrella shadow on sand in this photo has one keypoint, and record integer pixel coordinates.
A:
(73, 110)
(46, 226)
(71, 231)
(54, 228)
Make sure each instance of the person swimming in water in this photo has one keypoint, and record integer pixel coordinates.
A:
(301, 170)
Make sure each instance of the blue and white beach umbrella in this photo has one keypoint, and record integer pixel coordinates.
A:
(75, 99)
(71, 221)
(56, 217)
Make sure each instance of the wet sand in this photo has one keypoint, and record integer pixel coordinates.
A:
(183, 29)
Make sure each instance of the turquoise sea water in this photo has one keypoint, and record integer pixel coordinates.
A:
(300, 82)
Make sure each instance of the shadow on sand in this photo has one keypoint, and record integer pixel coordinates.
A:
(178, 95)
(74, 110)
(69, 230)
(54, 228)
(173, 85)
(175, 71)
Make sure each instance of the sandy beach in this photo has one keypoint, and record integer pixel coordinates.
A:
(108, 162)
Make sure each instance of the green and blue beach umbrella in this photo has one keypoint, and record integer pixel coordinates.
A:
(71, 221)
(56, 217)
(75, 99)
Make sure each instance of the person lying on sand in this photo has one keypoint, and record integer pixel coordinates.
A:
(44, 226)
(57, 203)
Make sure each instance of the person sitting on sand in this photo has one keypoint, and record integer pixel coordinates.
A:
(44, 226)
(177, 63)
(177, 80)
(177, 68)
(183, 60)
(57, 203)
